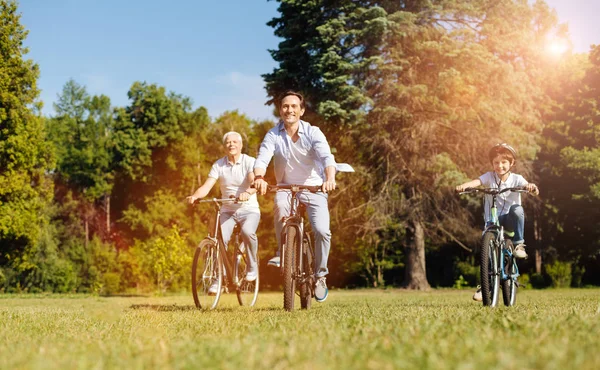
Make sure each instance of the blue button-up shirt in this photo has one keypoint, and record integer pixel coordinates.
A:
(278, 143)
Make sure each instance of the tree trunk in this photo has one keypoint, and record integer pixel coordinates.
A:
(537, 236)
(107, 205)
(415, 276)
(87, 232)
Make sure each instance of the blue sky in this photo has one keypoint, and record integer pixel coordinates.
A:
(211, 51)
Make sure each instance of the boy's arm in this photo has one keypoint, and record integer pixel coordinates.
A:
(469, 184)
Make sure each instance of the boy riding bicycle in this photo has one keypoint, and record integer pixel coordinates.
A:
(510, 212)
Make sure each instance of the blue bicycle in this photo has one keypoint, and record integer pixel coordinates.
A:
(498, 263)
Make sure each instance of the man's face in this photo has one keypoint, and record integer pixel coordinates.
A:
(290, 110)
(233, 145)
(501, 165)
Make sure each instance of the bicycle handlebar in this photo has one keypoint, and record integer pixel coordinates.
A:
(494, 191)
(311, 188)
(217, 200)
(296, 188)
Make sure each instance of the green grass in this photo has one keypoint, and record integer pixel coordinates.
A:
(369, 329)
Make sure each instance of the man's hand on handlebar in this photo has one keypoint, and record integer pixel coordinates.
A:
(328, 186)
(191, 199)
(261, 186)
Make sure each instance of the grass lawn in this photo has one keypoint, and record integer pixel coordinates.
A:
(360, 329)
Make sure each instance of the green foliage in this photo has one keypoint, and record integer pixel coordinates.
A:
(412, 93)
(559, 273)
(468, 275)
(166, 259)
(24, 156)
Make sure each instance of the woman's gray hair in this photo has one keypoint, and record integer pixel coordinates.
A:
(232, 133)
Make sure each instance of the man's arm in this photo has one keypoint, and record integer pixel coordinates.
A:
(202, 190)
(322, 149)
(265, 153)
(329, 184)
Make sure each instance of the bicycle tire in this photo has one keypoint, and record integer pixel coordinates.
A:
(247, 291)
(289, 281)
(305, 287)
(509, 286)
(489, 270)
(207, 268)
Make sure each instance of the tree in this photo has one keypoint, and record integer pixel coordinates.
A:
(569, 165)
(25, 190)
(81, 132)
(421, 89)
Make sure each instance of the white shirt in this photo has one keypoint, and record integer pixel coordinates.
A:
(277, 143)
(505, 200)
(300, 168)
(233, 180)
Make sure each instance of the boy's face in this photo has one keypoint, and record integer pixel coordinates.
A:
(502, 165)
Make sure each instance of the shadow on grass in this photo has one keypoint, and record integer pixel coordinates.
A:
(162, 307)
(174, 307)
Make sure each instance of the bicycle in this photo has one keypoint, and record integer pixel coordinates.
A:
(297, 253)
(213, 263)
(497, 259)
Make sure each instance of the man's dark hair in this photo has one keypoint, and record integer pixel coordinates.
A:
(288, 93)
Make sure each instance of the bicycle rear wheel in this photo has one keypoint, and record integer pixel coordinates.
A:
(289, 264)
(509, 286)
(206, 271)
(305, 287)
(247, 291)
(490, 278)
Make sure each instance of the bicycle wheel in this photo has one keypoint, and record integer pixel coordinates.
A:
(308, 273)
(489, 270)
(206, 271)
(289, 281)
(509, 286)
(247, 291)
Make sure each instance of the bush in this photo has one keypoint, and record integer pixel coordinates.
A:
(538, 281)
(559, 274)
(577, 276)
(468, 274)
(111, 283)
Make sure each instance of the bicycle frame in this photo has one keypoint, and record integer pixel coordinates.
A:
(216, 237)
(296, 220)
(497, 229)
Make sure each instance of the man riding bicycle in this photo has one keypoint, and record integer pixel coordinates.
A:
(302, 157)
(234, 173)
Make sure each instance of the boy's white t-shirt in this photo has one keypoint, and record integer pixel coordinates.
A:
(505, 200)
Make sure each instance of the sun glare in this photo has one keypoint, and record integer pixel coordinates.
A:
(557, 46)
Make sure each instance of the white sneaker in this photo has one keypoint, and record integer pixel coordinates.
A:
(321, 291)
(520, 251)
(214, 288)
(477, 296)
(252, 275)
(275, 262)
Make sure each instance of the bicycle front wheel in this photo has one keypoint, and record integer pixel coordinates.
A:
(247, 291)
(509, 286)
(307, 273)
(289, 267)
(490, 278)
(207, 275)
